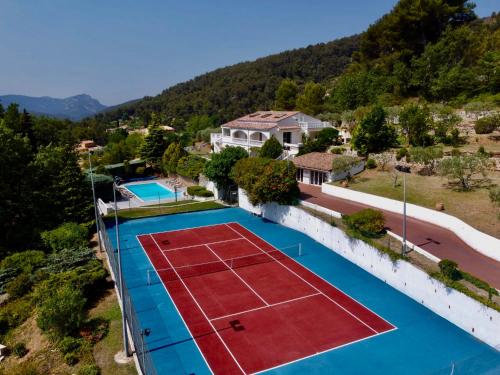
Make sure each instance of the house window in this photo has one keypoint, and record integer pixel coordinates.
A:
(287, 137)
(317, 178)
(300, 174)
(226, 132)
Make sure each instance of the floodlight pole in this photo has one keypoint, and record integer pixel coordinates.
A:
(120, 276)
(404, 214)
(95, 204)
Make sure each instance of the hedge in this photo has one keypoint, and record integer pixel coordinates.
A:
(199, 191)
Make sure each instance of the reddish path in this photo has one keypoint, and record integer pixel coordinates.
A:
(262, 312)
(436, 240)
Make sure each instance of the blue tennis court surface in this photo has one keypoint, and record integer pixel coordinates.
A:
(424, 343)
(151, 191)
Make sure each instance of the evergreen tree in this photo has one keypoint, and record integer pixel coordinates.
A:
(286, 95)
(154, 146)
(218, 169)
(271, 149)
(312, 100)
(373, 134)
(2, 111)
(12, 118)
(416, 123)
(171, 158)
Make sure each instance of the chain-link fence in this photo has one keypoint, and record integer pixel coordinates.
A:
(137, 333)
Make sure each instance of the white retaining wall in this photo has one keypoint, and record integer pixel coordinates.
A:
(463, 311)
(482, 242)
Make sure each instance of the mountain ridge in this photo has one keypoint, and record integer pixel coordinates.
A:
(74, 107)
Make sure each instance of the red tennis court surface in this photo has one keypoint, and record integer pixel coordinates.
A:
(249, 306)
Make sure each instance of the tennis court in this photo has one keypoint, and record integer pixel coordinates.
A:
(249, 306)
(293, 337)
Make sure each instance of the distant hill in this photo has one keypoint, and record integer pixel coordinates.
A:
(245, 87)
(73, 108)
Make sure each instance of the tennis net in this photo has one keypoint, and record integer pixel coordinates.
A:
(193, 270)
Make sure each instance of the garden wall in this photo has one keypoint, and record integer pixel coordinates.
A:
(482, 242)
(468, 314)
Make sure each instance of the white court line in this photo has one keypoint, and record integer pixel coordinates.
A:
(307, 282)
(326, 281)
(265, 307)
(201, 310)
(175, 305)
(183, 229)
(201, 244)
(322, 352)
(238, 276)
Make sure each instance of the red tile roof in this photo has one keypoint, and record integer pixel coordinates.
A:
(320, 161)
(263, 120)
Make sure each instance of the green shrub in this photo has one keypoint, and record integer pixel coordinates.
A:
(139, 171)
(69, 345)
(450, 269)
(26, 368)
(371, 164)
(369, 222)
(14, 313)
(199, 191)
(402, 152)
(62, 312)
(337, 150)
(25, 261)
(19, 349)
(71, 358)
(20, 286)
(89, 370)
(455, 152)
(66, 236)
(271, 149)
(487, 125)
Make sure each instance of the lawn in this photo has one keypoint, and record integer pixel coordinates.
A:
(473, 207)
(105, 350)
(168, 208)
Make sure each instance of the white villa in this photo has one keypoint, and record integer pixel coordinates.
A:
(254, 129)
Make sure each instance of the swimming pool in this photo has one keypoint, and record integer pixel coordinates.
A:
(151, 191)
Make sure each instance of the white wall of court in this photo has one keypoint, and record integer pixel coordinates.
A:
(461, 310)
(482, 242)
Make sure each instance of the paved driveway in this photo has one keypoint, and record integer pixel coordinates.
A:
(436, 240)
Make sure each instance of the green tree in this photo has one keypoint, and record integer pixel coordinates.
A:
(65, 195)
(12, 118)
(218, 169)
(494, 194)
(171, 158)
(343, 164)
(66, 236)
(324, 139)
(154, 146)
(191, 166)
(271, 148)
(62, 312)
(200, 122)
(428, 156)
(312, 100)
(17, 215)
(267, 180)
(373, 134)
(286, 95)
(416, 124)
(464, 169)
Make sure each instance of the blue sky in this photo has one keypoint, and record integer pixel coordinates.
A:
(117, 50)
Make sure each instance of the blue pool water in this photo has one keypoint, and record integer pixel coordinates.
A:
(151, 191)
(424, 343)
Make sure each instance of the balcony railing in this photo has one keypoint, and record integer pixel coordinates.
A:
(242, 141)
(314, 125)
